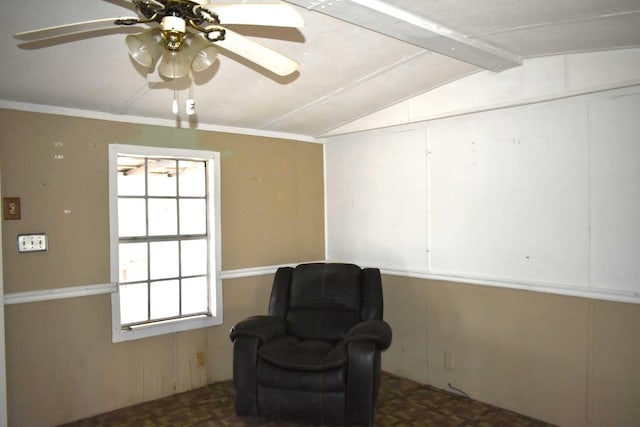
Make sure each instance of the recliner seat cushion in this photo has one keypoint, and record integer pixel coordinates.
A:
(320, 325)
(308, 355)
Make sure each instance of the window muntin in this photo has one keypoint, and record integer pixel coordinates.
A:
(165, 239)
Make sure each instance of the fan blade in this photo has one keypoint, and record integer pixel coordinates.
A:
(257, 53)
(268, 14)
(68, 29)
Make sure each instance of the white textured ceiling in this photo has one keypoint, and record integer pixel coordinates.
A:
(346, 71)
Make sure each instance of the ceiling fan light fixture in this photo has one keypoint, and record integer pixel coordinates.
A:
(174, 65)
(200, 52)
(145, 48)
(204, 59)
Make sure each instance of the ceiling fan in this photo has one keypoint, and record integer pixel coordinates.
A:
(185, 34)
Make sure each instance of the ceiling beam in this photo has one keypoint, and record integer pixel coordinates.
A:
(394, 22)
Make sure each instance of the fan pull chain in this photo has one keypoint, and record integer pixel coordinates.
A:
(174, 106)
(190, 104)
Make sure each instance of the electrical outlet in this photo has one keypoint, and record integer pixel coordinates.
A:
(449, 360)
(36, 242)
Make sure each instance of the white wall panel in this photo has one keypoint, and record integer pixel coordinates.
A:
(509, 195)
(376, 199)
(544, 196)
(615, 192)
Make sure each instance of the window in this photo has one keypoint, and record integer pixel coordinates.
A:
(165, 234)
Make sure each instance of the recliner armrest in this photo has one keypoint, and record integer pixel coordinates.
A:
(265, 328)
(377, 331)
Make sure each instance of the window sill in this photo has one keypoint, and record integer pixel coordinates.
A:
(122, 335)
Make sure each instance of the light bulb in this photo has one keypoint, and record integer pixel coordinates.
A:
(174, 65)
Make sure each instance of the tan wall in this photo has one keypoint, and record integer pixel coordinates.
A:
(61, 363)
(569, 361)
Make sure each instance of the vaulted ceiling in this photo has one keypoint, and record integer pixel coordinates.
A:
(356, 57)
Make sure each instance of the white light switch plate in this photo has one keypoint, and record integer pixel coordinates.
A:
(36, 242)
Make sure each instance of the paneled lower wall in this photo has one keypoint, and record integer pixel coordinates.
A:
(62, 365)
(569, 361)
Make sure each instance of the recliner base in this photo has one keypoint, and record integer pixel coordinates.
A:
(301, 406)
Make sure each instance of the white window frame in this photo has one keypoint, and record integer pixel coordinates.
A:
(212, 159)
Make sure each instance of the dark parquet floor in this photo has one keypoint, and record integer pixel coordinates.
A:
(402, 403)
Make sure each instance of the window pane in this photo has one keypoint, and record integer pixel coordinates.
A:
(194, 295)
(194, 257)
(193, 216)
(133, 262)
(133, 303)
(130, 176)
(165, 299)
(163, 217)
(192, 179)
(164, 260)
(161, 175)
(131, 218)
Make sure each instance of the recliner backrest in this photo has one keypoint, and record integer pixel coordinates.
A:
(323, 301)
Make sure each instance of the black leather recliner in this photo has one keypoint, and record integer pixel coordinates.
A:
(316, 357)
